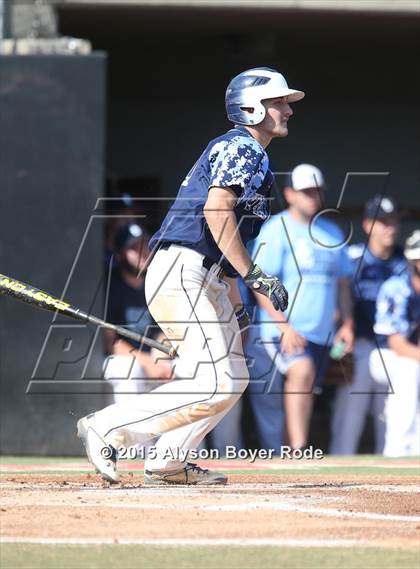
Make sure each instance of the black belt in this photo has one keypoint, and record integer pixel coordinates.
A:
(207, 262)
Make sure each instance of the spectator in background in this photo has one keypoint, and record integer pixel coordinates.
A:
(372, 265)
(131, 368)
(120, 212)
(306, 252)
(397, 363)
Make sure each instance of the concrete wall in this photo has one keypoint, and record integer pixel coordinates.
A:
(304, 5)
(52, 165)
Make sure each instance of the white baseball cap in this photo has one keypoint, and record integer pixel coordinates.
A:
(306, 176)
(412, 246)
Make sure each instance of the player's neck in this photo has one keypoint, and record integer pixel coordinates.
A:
(298, 216)
(380, 251)
(260, 136)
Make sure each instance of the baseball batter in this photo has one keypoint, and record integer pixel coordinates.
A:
(192, 293)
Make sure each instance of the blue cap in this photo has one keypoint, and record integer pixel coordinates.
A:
(380, 207)
(127, 235)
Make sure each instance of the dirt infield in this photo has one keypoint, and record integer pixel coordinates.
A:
(337, 503)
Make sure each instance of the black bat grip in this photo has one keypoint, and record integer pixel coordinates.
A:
(31, 295)
(127, 333)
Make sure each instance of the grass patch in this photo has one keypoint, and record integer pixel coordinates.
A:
(41, 473)
(29, 556)
(8, 459)
(329, 465)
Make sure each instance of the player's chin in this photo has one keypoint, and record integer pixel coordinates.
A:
(283, 131)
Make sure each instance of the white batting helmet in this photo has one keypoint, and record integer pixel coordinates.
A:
(249, 88)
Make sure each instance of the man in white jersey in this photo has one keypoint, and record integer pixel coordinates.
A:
(373, 264)
(397, 363)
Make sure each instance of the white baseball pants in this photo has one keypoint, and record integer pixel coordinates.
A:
(191, 305)
(355, 401)
(402, 409)
(127, 377)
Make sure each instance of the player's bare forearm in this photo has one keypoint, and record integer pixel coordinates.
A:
(221, 220)
(345, 304)
(222, 223)
(109, 341)
(291, 341)
(276, 315)
(154, 369)
(345, 301)
(123, 348)
(402, 347)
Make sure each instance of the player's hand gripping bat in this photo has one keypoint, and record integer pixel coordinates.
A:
(41, 299)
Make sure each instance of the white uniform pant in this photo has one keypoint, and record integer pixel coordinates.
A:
(192, 307)
(354, 402)
(228, 431)
(127, 377)
(402, 410)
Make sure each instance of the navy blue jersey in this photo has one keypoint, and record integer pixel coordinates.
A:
(236, 161)
(369, 273)
(398, 310)
(127, 307)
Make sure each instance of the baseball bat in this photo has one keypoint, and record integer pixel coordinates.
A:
(40, 299)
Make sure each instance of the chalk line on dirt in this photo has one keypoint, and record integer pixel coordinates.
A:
(252, 542)
(284, 506)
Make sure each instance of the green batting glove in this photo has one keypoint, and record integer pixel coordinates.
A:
(267, 285)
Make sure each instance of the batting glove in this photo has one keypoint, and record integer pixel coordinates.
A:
(267, 285)
(242, 317)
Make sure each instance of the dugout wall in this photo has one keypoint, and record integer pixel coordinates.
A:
(169, 67)
(52, 157)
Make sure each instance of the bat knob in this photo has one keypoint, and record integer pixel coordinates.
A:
(173, 353)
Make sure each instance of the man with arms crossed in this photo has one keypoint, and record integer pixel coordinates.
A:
(220, 205)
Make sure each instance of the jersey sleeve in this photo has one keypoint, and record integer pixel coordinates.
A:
(237, 165)
(391, 310)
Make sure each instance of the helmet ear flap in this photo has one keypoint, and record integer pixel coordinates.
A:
(257, 115)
